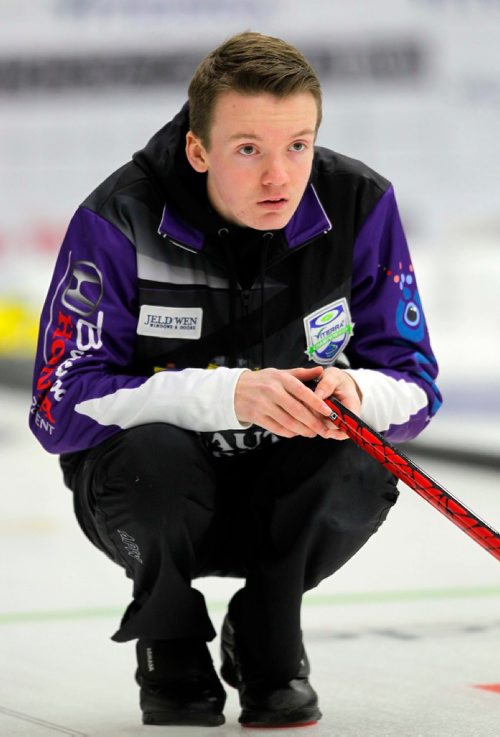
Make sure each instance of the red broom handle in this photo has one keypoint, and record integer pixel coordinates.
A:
(407, 471)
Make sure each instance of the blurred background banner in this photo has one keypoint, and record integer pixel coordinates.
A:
(412, 87)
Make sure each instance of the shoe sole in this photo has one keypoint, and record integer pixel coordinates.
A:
(279, 726)
(183, 719)
(271, 720)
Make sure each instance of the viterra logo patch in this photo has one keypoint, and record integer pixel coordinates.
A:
(328, 331)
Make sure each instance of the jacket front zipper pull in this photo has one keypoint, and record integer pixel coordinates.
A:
(245, 298)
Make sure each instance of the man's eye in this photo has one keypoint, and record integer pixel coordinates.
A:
(247, 150)
(298, 146)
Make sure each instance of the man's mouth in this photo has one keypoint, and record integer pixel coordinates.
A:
(273, 203)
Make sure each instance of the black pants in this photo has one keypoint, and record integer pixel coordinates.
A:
(282, 517)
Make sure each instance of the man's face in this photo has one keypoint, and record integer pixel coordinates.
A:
(260, 156)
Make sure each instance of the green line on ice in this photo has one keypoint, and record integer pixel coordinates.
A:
(310, 600)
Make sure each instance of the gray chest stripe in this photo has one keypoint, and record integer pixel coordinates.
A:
(154, 270)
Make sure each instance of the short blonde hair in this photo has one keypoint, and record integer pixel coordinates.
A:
(249, 63)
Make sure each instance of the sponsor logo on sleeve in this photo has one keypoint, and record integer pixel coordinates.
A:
(170, 322)
(85, 289)
(68, 338)
(328, 331)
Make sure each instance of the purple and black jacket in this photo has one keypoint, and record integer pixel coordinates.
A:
(148, 317)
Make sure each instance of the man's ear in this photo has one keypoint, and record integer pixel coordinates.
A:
(196, 153)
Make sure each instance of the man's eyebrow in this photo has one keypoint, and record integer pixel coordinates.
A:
(255, 137)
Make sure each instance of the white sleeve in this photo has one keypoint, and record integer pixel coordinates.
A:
(387, 401)
(194, 399)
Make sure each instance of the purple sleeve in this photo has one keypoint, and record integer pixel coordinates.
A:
(390, 331)
(87, 333)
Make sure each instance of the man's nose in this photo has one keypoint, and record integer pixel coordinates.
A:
(275, 172)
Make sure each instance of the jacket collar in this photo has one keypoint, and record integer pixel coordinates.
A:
(308, 222)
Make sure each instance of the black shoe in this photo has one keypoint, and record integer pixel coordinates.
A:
(179, 685)
(267, 704)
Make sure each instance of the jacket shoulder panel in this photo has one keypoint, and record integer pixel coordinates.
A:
(348, 188)
(328, 163)
(129, 200)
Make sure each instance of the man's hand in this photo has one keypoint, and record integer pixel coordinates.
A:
(279, 401)
(344, 388)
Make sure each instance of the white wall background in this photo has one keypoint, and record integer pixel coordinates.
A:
(434, 134)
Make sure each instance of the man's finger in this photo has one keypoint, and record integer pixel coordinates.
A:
(309, 398)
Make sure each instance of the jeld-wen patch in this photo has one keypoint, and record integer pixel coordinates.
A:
(170, 322)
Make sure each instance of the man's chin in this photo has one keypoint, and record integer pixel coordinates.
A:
(271, 220)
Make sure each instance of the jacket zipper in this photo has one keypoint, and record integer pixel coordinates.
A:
(245, 299)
